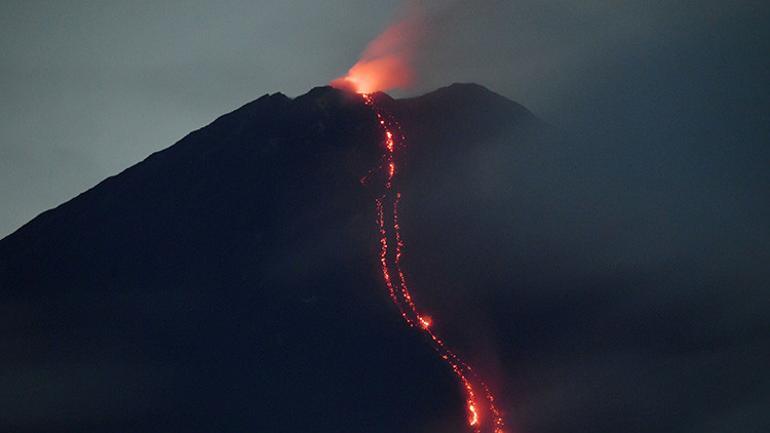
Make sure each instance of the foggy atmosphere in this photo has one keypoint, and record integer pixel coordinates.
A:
(385, 216)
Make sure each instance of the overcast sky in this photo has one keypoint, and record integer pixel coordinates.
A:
(90, 88)
(639, 243)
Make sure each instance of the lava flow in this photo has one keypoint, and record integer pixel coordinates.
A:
(483, 413)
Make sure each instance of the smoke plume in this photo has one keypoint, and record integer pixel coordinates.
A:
(386, 63)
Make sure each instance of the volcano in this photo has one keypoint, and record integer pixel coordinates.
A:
(233, 282)
(230, 281)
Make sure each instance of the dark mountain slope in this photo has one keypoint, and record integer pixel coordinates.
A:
(226, 283)
(230, 283)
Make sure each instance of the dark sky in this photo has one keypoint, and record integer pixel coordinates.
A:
(91, 88)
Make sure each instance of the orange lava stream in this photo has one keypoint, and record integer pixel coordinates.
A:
(483, 414)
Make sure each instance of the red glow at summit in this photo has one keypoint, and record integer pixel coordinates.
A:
(385, 65)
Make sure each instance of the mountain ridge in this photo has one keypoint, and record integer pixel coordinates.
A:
(231, 282)
(279, 100)
(237, 267)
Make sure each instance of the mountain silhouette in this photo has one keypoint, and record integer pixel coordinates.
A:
(230, 282)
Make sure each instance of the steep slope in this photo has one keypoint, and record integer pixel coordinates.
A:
(229, 282)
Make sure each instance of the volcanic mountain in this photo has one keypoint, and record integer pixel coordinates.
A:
(232, 283)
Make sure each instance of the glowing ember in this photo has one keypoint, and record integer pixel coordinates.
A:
(425, 321)
(474, 419)
(483, 413)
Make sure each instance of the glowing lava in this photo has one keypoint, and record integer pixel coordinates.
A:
(386, 62)
(368, 76)
(483, 413)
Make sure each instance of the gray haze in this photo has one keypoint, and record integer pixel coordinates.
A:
(660, 241)
(90, 88)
